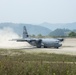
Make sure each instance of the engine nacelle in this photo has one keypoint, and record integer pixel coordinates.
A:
(38, 43)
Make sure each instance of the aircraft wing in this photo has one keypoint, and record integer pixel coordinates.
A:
(26, 39)
(32, 41)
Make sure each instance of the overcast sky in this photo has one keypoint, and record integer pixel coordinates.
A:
(38, 11)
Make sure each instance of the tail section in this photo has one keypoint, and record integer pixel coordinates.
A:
(25, 34)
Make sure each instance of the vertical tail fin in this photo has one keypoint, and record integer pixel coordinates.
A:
(25, 34)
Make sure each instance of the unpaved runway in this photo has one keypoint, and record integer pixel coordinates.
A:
(69, 48)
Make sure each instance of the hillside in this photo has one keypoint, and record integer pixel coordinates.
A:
(71, 26)
(60, 32)
(44, 29)
(32, 29)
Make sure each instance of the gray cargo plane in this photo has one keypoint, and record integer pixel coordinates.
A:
(40, 42)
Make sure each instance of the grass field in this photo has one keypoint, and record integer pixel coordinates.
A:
(18, 62)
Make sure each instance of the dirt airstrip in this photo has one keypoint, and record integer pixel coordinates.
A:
(68, 48)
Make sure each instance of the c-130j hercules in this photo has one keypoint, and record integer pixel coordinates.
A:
(40, 42)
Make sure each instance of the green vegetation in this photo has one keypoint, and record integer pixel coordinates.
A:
(18, 62)
(72, 34)
(57, 32)
(40, 36)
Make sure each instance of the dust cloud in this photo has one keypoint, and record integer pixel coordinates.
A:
(6, 36)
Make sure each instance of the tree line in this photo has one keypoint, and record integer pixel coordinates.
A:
(71, 34)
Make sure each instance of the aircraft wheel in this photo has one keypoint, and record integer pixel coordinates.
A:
(38, 46)
(57, 47)
(45, 46)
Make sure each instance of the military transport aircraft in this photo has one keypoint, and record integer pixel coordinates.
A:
(40, 42)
